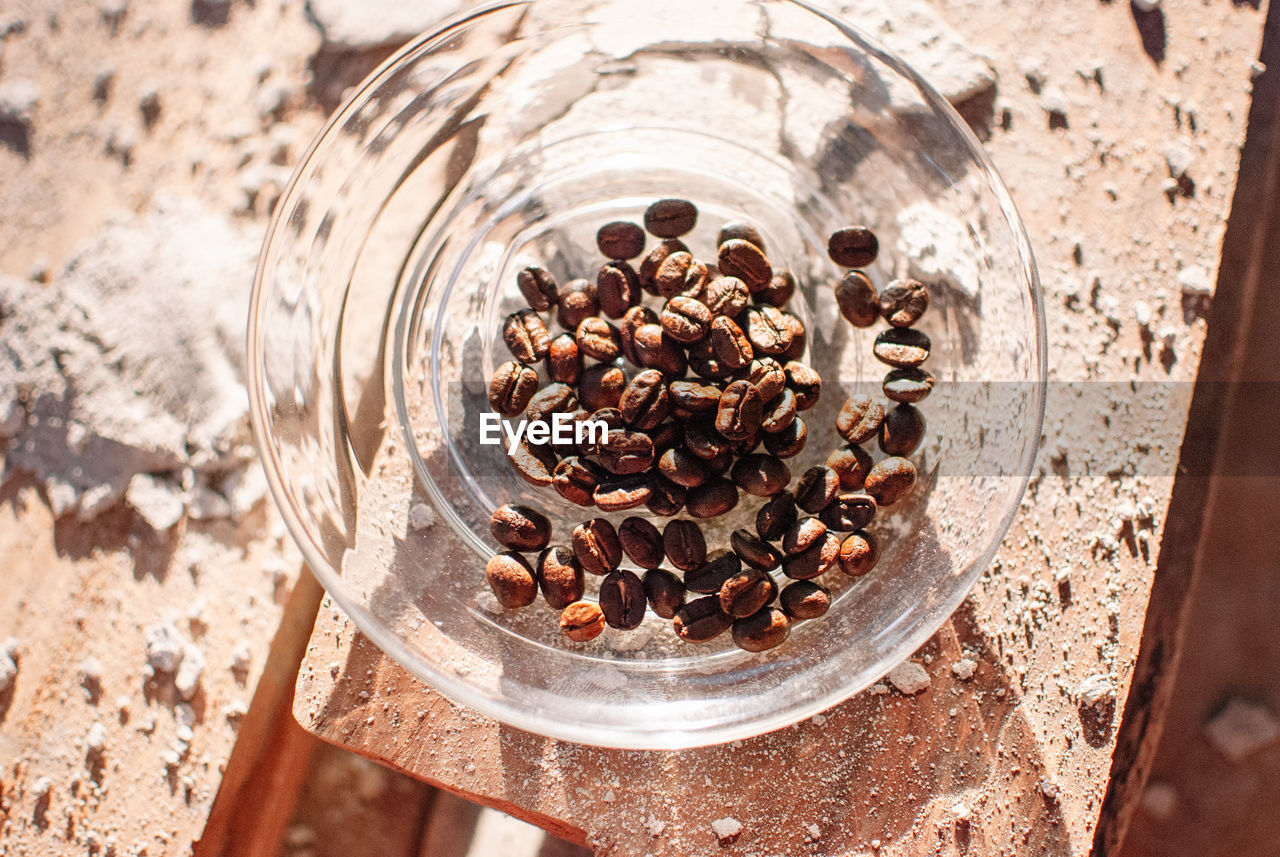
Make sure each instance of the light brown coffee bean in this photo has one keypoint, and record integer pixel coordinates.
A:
(727, 296)
(805, 382)
(576, 479)
(902, 347)
(620, 239)
(804, 599)
(768, 330)
(747, 262)
(902, 430)
(552, 399)
(814, 560)
(779, 291)
(776, 517)
(853, 247)
(560, 577)
(730, 344)
(626, 452)
(741, 231)
(766, 373)
(598, 339)
(617, 289)
(890, 480)
(653, 261)
(746, 593)
(859, 418)
(644, 403)
(701, 620)
(665, 498)
(799, 340)
(582, 621)
(851, 464)
(762, 631)
(740, 411)
(658, 351)
(677, 273)
(712, 498)
(856, 297)
(622, 600)
(511, 388)
(817, 488)
(519, 527)
(694, 397)
(511, 579)
(564, 360)
(802, 535)
(538, 287)
(611, 419)
(597, 547)
(712, 574)
(601, 386)
(849, 512)
(760, 475)
(627, 327)
(789, 442)
(780, 414)
(904, 302)
(685, 319)
(577, 301)
(682, 467)
(665, 592)
(754, 551)
(621, 493)
(534, 464)
(671, 218)
(858, 553)
(907, 385)
(526, 336)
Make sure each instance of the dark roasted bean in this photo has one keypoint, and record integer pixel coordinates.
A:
(904, 302)
(665, 592)
(622, 600)
(849, 512)
(780, 414)
(695, 281)
(577, 301)
(627, 327)
(623, 492)
(747, 262)
(727, 296)
(799, 341)
(902, 430)
(817, 488)
(712, 498)
(658, 351)
(851, 464)
(768, 329)
(666, 436)
(644, 403)
(601, 386)
(814, 560)
(685, 319)
(858, 553)
(511, 388)
(712, 574)
(612, 420)
(890, 480)
(519, 528)
(684, 544)
(552, 399)
(754, 551)
(779, 291)
(805, 382)
(761, 475)
(789, 442)
(741, 231)
(704, 362)
(804, 534)
(671, 218)
(534, 464)
(626, 452)
(511, 579)
(576, 479)
(762, 631)
(620, 239)
(704, 441)
(559, 576)
(701, 620)
(682, 467)
(902, 347)
(526, 336)
(694, 397)
(641, 541)
(597, 339)
(747, 592)
(766, 373)
(804, 599)
(853, 247)
(740, 411)
(730, 344)
(856, 297)
(617, 289)
(907, 385)
(538, 287)
(564, 360)
(653, 261)
(776, 517)
(569, 445)
(859, 418)
(666, 498)
(582, 621)
(597, 547)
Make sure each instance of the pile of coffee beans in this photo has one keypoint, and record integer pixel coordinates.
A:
(701, 387)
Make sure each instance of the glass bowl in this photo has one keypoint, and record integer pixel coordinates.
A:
(507, 136)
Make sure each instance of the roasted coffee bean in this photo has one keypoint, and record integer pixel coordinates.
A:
(853, 247)
(779, 291)
(526, 336)
(582, 621)
(851, 464)
(601, 386)
(768, 330)
(597, 547)
(726, 296)
(799, 341)
(645, 403)
(511, 579)
(746, 445)
(622, 599)
(666, 497)
(576, 480)
(611, 419)
(626, 452)
(694, 397)
(902, 430)
(890, 480)
(682, 467)
(904, 302)
(598, 339)
(902, 347)
(653, 261)
(754, 551)
(671, 218)
(848, 512)
(559, 577)
(789, 442)
(856, 297)
(740, 411)
(712, 498)
(802, 535)
(680, 273)
(817, 488)
(747, 262)
(631, 322)
(740, 231)
(684, 544)
(511, 388)
(552, 399)
(858, 553)
(577, 301)
(701, 620)
(766, 373)
(658, 351)
(538, 287)
(761, 475)
(519, 528)
(780, 414)
(704, 362)
(712, 574)
(641, 541)
(762, 631)
(534, 464)
(859, 418)
(731, 345)
(623, 492)
(704, 441)
(620, 240)
(569, 445)
(685, 319)
(665, 592)
(804, 599)
(746, 593)
(666, 436)
(776, 517)
(814, 560)
(564, 360)
(907, 385)
(695, 281)
(617, 289)
(805, 382)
